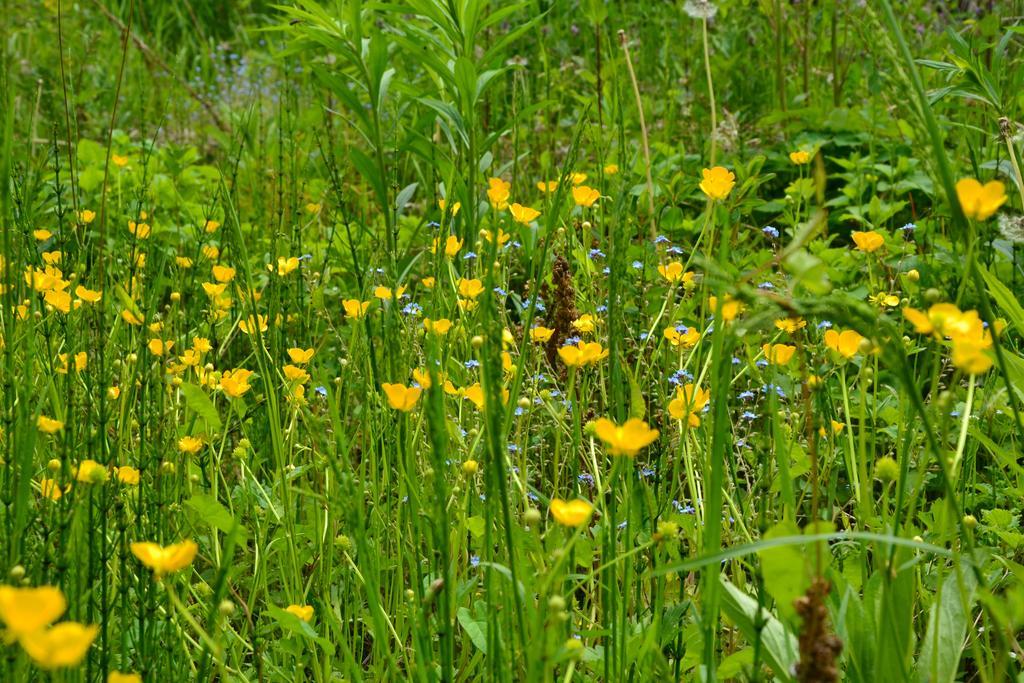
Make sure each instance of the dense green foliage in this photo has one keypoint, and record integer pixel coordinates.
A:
(578, 340)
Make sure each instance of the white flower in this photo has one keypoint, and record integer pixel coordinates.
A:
(700, 9)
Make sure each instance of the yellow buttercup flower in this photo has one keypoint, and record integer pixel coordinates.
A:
(730, 307)
(27, 610)
(583, 353)
(541, 335)
(790, 325)
(304, 612)
(223, 273)
(385, 293)
(868, 240)
(475, 394)
(884, 299)
(498, 193)
(503, 236)
(301, 356)
(422, 378)
(251, 324)
(547, 186)
(355, 308)
(158, 347)
(717, 182)
(846, 343)
(800, 157)
(140, 230)
(572, 513)
(585, 323)
(91, 472)
(626, 439)
(235, 382)
(190, 445)
(585, 196)
(687, 337)
(401, 397)
(675, 272)
(61, 646)
(443, 204)
(127, 474)
(523, 214)
(50, 489)
(689, 401)
(165, 559)
(611, 169)
(286, 265)
(980, 201)
(120, 677)
(87, 295)
(470, 289)
(778, 354)
(451, 245)
(48, 425)
(294, 373)
(438, 327)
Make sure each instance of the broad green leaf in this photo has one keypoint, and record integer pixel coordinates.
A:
(292, 624)
(946, 636)
(783, 569)
(1004, 298)
(475, 629)
(211, 512)
(197, 401)
(780, 646)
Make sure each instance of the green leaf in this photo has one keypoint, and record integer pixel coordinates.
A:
(475, 525)
(292, 624)
(637, 406)
(947, 629)
(1004, 298)
(474, 628)
(211, 512)
(809, 271)
(199, 403)
(783, 569)
(780, 645)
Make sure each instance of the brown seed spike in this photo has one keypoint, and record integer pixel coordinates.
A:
(819, 648)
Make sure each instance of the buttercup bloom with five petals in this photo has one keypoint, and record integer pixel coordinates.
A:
(867, 240)
(572, 513)
(61, 646)
(27, 610)
(401, 397)
(626, 439)
(717, 182)
(979, 201)
(583, 353)
(689, 401)
(165, 559)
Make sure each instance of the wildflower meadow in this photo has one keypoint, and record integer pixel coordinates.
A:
(533, 340)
